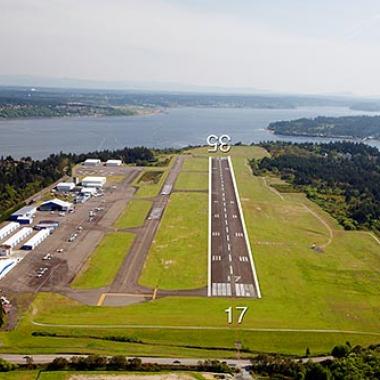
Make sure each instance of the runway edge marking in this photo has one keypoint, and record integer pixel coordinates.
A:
(255, 278)
(209, 224)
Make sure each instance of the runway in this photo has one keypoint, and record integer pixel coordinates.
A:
(232, 271)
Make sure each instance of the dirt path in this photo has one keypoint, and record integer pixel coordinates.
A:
(373, 236)
(327, 226)
(272, 189)
(329, 229)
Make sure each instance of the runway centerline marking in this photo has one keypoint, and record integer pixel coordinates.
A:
(230, 272)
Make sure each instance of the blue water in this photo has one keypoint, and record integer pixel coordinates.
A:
(176, 127)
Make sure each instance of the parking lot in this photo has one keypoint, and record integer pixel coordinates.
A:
(54, 263)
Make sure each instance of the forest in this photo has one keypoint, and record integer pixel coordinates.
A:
(22, 110)
(342, 177)
(341, 127)
(20, 179)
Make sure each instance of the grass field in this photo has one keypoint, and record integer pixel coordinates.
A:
(192, 181)
(19, 375)
(310, 299)
(196, 163)
(134, 215)
(104, 263)
(178, 256)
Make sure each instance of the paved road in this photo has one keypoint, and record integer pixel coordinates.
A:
(232, 272)
(45, 358)
(127, 278)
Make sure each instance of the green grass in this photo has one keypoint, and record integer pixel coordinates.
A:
(104, 263)
(160, 341)
(192, 181)
(196, 163)
(19, 375)
(302, 290)
(134, 215)
(178, 256)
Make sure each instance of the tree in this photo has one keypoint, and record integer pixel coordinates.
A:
(58, 364)
(6, 366)
(340, 351)
(316, 372)
(117, 362)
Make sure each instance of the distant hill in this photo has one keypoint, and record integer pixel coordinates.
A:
(363, 127)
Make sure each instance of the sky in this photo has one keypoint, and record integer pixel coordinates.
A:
(293, 46)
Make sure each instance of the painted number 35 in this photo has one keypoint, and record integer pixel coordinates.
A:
(221, 143)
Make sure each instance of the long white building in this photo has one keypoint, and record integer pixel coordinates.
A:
(92, 162)
(65, 187)
(94, 181)
(8, 229)
(18, 237)
(114, 163)
(37, 239)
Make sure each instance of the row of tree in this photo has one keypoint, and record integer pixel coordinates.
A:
(348, 363)
(122, 363)
(342, 177)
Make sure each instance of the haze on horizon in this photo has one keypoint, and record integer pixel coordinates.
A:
(289, 46)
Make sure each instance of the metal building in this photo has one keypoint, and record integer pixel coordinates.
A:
(92, 162)
(114, 163)
(94, 181)
(50, 224)
(37, 239)
(24, 212)
(8, 229)
(56, 205)
(18, 237)
(65, 187)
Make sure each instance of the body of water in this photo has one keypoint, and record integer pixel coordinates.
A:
(176, 127)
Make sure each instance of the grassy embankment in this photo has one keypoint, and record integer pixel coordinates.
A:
(310, 299)
(150, 181)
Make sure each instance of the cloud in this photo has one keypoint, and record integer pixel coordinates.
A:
(173, 41)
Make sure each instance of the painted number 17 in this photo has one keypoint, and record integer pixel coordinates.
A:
(230, 313)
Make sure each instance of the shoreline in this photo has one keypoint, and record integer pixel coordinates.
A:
(142, 112)
(335, 137)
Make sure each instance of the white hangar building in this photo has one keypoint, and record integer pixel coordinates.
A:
(65, 187)
(92, 162)
(114, 163)
(94, 181)
(8, 229)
